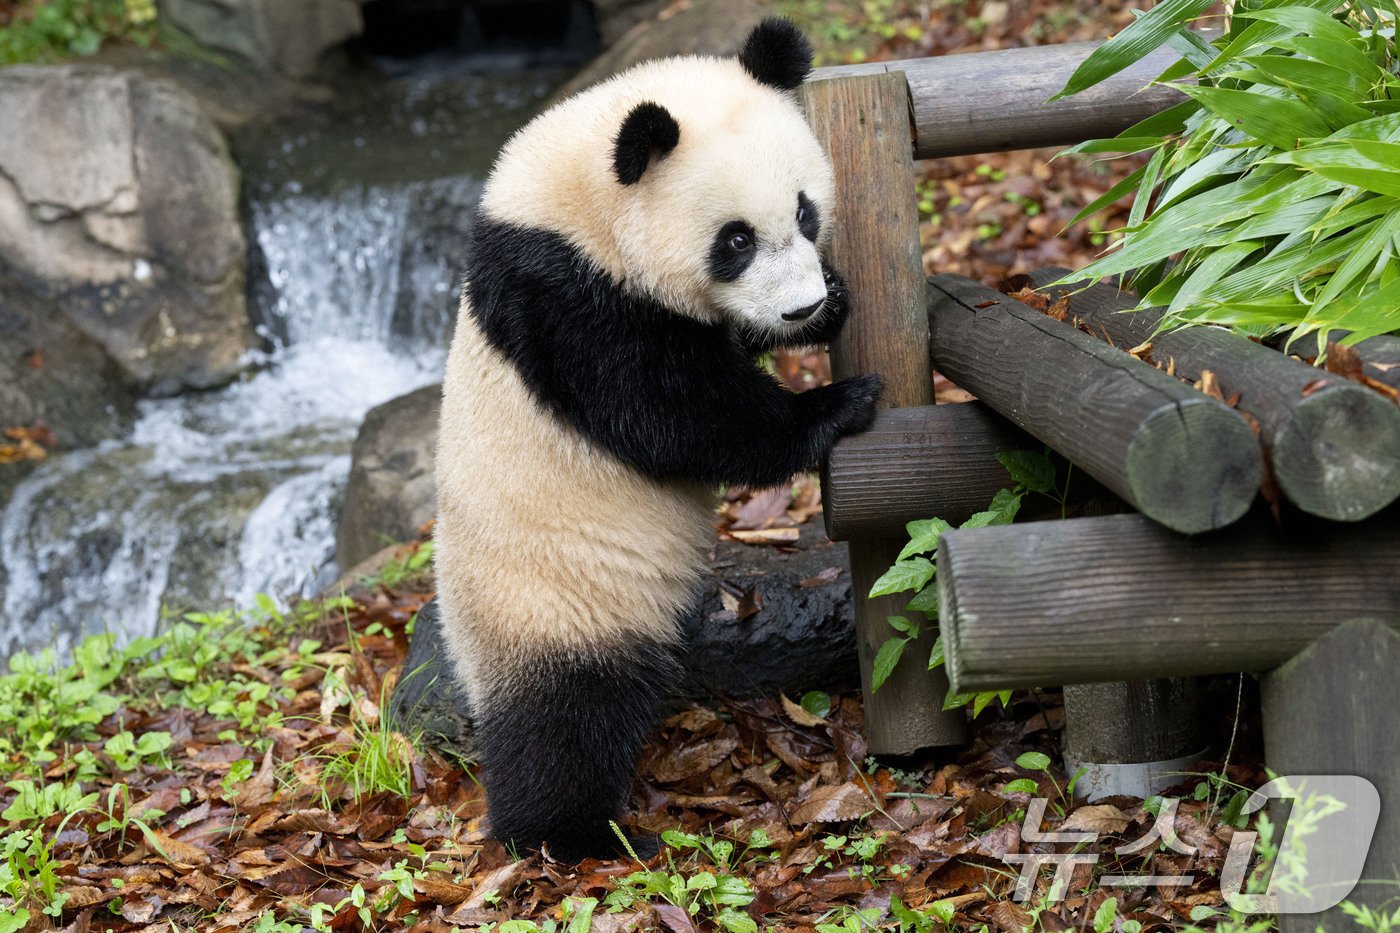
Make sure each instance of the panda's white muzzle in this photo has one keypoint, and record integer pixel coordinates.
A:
(783, 286)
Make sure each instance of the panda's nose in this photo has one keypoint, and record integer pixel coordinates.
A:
(801, 314)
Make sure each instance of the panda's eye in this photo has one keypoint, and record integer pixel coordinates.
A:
(740, 242)
(802, 213)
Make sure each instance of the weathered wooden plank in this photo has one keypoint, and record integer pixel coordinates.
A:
(995, 101)
(1121, 598)
(1335, 709)
(864, 124)
(1334, 445)
(1181, 458)
(913, 463)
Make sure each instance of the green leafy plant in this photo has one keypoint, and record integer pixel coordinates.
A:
(1277, 180)
(49, 30)
(128, 752)
(1033, 473)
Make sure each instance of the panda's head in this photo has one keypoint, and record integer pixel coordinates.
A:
(725, 196)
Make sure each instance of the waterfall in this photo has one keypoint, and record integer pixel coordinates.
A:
(218, 496)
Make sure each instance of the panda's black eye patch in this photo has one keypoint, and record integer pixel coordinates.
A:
(732, 251)
(808, 217)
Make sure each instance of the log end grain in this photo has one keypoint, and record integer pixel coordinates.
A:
(1338, 456)
(1193, 469)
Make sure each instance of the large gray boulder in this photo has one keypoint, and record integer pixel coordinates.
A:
(390, 490)
(283, 36)
(119, 202)
(54, 375)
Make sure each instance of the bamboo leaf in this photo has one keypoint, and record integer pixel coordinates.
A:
(1303, 19)
(1277, 121)
(1347, 162)
(1340, 54)
(1371, 249)
(1109, 196)
(1142, 36)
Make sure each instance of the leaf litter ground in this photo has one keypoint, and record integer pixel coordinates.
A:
(246, 823)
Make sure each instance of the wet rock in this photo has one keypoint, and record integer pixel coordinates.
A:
(284, 36)
(428, 699)
(685, 27)
(390, 491)
(802, 637)
(119, 204)
(53, 373)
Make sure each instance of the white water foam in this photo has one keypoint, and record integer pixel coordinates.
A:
(219, 496)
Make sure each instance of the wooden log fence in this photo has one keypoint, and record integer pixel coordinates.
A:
(1122, 598)
(1176, 455)
(1333, 444)
(1123, 605)
(914, 463)
(996, 101)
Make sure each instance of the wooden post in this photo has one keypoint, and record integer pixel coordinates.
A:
(1334, 445)
(1335, 709)
(864, 122)
(1131, 738)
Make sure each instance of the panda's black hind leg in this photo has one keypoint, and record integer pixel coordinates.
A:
(559, 740)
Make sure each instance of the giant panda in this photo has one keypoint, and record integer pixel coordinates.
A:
(636, 247)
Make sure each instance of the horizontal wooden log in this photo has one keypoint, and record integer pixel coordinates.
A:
(1333, 444)
(913, 463)
(997, 101)
(1181, 458)
(1120, 598)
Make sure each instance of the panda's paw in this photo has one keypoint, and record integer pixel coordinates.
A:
(854, 402)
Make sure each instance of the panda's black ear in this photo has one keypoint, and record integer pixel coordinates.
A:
(648, 128)
(776, 53)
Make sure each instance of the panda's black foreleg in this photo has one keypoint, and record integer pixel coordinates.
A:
(559, 739)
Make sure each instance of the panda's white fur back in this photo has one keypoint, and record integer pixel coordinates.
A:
(528, 560)
(544, 541)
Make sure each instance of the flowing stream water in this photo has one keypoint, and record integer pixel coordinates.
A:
(355, 218)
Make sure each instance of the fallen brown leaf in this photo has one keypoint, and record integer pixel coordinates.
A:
(1096, 818)
(833, 804)
(799, 715)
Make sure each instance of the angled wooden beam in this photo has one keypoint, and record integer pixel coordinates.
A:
(1121, 598)
(1334, 445)
(1179, 457)
(999, 100)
